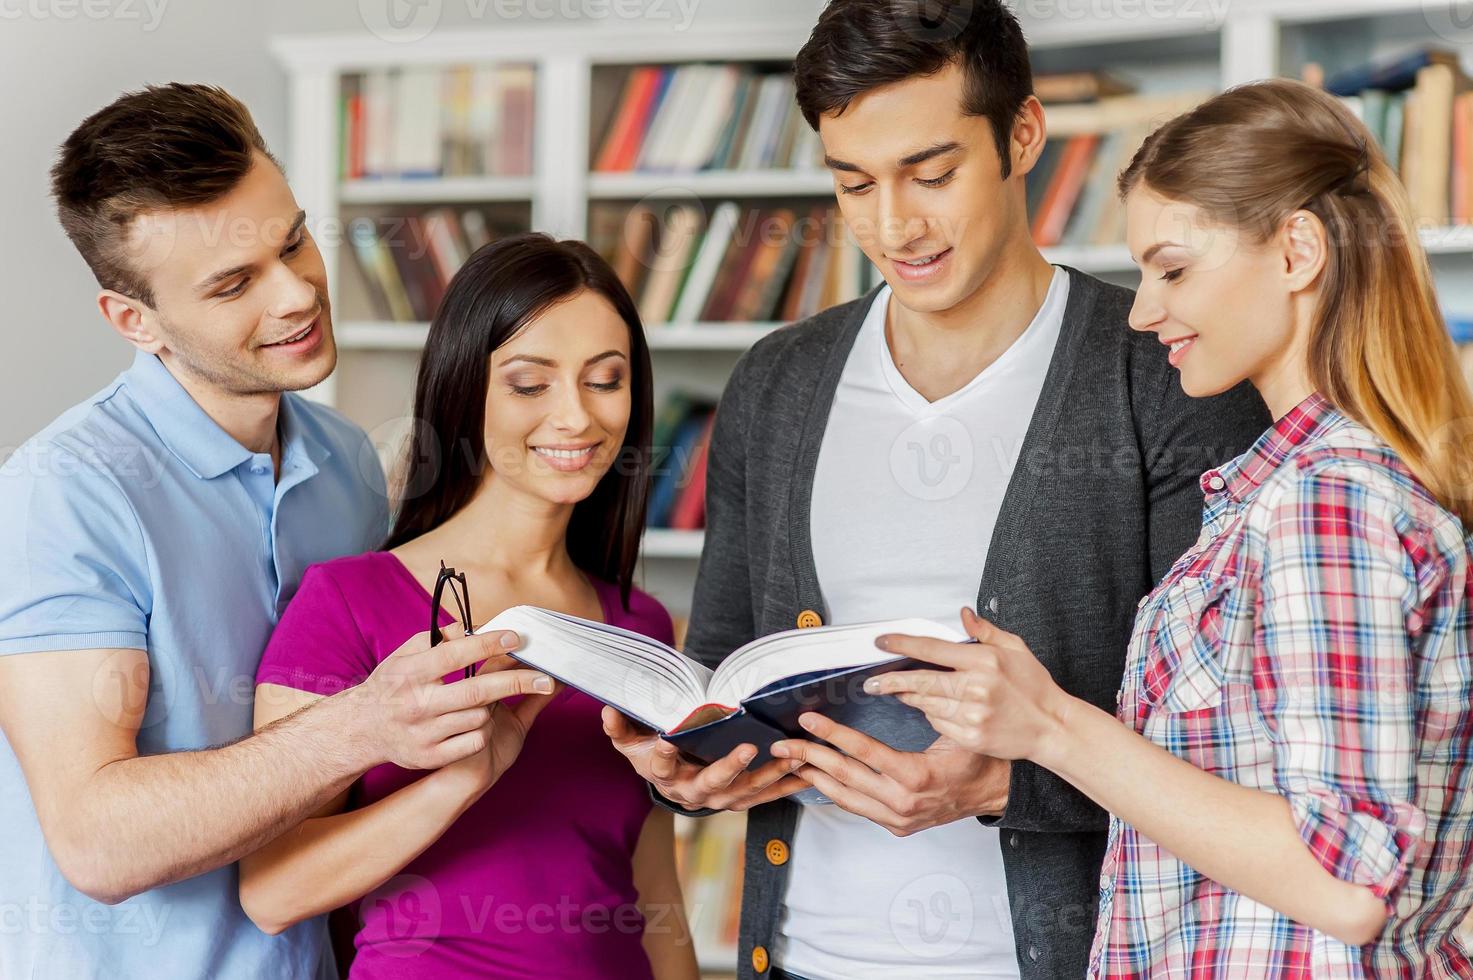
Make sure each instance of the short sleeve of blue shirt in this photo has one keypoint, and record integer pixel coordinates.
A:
(77, 578)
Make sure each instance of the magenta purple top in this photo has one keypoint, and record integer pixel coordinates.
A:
(536, 878)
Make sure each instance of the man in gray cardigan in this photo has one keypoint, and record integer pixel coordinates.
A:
(984, 430)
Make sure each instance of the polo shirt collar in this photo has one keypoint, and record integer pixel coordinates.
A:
(195, 438)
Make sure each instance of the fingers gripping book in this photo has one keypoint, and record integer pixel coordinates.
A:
(756, 694)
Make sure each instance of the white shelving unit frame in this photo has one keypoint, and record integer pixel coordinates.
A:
(1248, 36)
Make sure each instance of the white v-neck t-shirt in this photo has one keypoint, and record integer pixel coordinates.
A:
(905, 498)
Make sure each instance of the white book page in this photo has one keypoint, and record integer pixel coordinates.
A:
(642, 677)
(788, 654)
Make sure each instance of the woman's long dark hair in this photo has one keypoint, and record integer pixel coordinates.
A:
(499, 290)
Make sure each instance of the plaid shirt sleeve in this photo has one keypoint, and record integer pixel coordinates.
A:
(1334, 673)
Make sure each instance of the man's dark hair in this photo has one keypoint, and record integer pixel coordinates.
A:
(167, 147)
(859, 45)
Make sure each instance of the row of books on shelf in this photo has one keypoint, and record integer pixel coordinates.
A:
(430, 121)
(686, 118)
(1420, 109)
(708, 861)
(682, 442)
(406, 262)
(1071, 193)
(693, 117)
(744, 264)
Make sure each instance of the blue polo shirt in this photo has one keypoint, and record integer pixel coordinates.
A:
(134, 521)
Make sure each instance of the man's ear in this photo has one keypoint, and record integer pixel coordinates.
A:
(132, 320)
(1030, 133)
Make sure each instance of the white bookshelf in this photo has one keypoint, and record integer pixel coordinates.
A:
(1198, 44)
(1192, 47)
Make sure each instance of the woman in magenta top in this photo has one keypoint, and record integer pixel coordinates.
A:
(540, 855)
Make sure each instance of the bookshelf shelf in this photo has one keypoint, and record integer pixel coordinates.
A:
(711, 183)
(1448, 241)
(383, 335)
(1092, 258)
(662, 542)
(437, 190)
(1211, 46)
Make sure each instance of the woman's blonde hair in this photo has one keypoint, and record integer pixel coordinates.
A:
(1378, 348)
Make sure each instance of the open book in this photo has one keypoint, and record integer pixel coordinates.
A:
(755, 696)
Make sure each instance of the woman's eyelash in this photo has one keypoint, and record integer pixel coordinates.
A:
(606, 385)
(528, 390)
(1172, 275)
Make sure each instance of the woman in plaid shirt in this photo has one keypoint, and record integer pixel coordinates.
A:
(1289, 767)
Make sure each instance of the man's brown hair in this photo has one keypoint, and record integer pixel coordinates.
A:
(167, 147)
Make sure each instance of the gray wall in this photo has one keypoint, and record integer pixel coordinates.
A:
(60, 61)
(55, 70)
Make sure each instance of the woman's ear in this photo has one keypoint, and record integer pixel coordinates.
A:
(1306, 249)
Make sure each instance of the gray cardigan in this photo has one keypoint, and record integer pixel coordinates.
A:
(1103, 498)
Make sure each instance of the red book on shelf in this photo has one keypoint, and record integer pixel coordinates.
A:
(1064, 190)
(646, 101)
(689, 512)
(746, 245)
(1462, 189)
(355, 136)
(626, 117)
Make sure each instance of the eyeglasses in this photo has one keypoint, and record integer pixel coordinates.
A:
(462, 595)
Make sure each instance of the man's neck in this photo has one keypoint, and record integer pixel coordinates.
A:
(249, 419)
(939, 352)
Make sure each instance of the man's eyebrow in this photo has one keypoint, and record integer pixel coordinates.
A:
(215, 279)
(548, 362)
(929, 153)
(910, 160)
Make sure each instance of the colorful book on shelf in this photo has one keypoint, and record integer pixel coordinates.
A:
(707, 264)
(1392, 75)
(672, 259)
(689, 118)
(418, 121)
(386, 290)
(641, 91)
(672, 472)
(1064, 189)
(1079, 86)
(1417, 111)
(689, 512)
(1462, 176)
(755, 696)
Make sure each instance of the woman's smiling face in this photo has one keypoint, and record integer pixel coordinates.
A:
(558, 404)
(1221, 302)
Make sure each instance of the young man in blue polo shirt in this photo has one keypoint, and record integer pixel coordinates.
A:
(153, 535)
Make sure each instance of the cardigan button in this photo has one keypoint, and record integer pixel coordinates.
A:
(777, 853)
(759, 959)
(808, 619)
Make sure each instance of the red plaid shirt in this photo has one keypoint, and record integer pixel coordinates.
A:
(1314, 643)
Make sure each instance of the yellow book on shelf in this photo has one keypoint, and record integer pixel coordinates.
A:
(1430, 143)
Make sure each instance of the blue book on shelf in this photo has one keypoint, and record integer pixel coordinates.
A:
(755, 696)
(671, 470)
(1392, 75)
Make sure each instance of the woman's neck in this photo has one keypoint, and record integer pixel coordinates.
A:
(507, 531)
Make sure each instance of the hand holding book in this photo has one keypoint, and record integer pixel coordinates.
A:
(754, 698)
